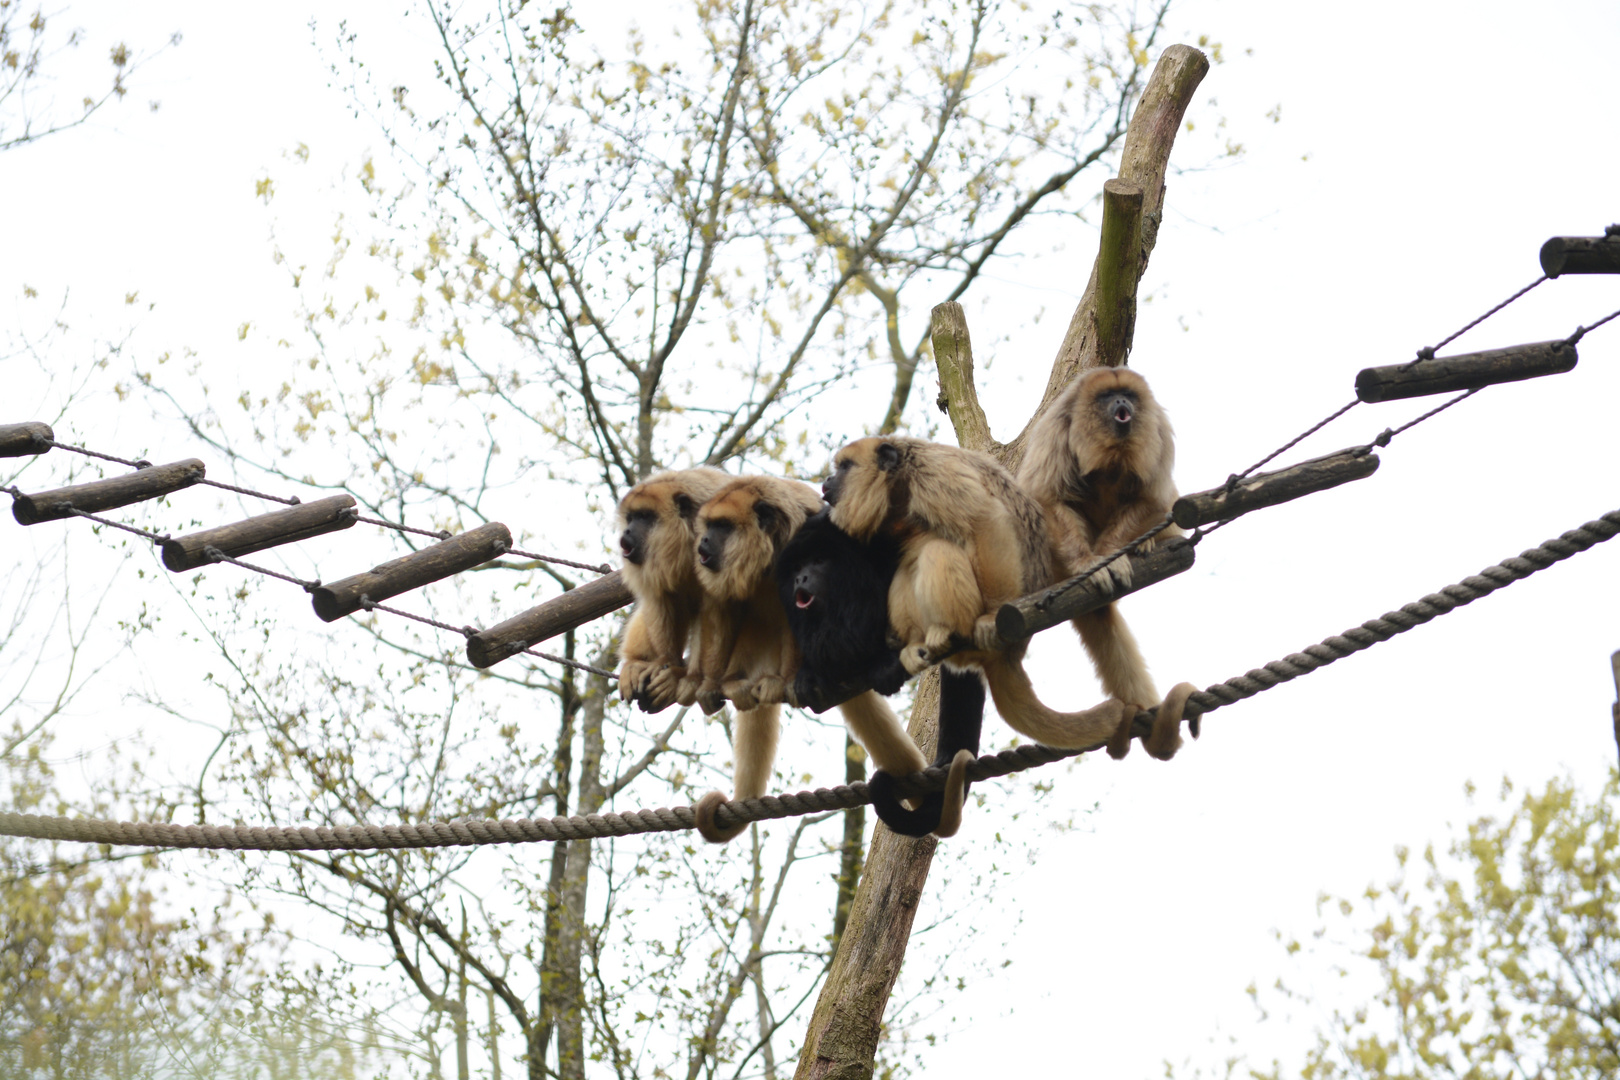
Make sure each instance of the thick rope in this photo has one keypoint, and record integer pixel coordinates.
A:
(469, 832)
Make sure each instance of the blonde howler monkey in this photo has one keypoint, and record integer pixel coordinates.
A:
(1099, 463)
(658, 534)
(746, 651)
(970, 540)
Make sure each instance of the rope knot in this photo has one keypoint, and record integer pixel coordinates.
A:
(1384, 437)
(1426, 353)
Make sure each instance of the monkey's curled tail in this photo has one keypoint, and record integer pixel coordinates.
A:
(961, 719)
(1113, 651)
(754, 736)
(1015, 700)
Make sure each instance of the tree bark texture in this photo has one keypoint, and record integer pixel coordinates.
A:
(22, 440)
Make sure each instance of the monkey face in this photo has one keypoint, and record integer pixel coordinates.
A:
(633, 541)
(807, 584)
(1117, 407)
(711, 548)
(884, 454)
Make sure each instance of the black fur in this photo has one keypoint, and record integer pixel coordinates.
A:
(961, 716)
(843, 634)
(843, 639)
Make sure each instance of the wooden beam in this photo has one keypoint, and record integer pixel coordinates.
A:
(1467, 371)
(1271, 488)
(264, 531)
(573, 608)
(1582, 254)
(1031, 614)
(21, 440)
(461, 552)
(1119, 265)
(99, 495)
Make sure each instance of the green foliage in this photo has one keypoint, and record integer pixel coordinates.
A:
(1501, 962)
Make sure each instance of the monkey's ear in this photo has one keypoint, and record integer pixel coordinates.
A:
(685, 505)
(888, 457)
(769, 517)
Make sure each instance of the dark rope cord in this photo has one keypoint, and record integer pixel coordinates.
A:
(436, 534)
(465, 832)
(469, 631)
(601, 568)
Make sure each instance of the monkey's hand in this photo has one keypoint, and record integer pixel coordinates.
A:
(938, 638)
(632, 677)
(741, 693)
(661, 688)
(686, 690)
(769, 690)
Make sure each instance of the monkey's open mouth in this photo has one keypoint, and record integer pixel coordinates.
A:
(1122, 413)
(803, 598)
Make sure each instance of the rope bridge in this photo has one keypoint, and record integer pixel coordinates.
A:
(1242, 492)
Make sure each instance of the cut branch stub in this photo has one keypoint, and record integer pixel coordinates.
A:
(1031, 614)
(461, 552)
(21, 440)
(1269, 489)
(1469, 371)
(264, 531)
(1119, 264)
(92, 498)
(573, 608)
(953, 359)
(1581, 255)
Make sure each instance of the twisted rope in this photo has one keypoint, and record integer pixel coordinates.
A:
(469, 832)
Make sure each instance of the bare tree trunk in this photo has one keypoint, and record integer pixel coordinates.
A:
(849, 860)
(576, 880)
(842, 1039)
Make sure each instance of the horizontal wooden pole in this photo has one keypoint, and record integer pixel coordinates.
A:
(1581, 255)
(264, 531)
(21, 440)
(1031, 614)
(92, 498)
(1469, 371)
(573, 608)
(1269, 489)
(461, 552)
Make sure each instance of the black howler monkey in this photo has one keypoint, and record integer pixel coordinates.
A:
(835, 591)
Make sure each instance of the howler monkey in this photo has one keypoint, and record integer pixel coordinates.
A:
(658, 531)
(1099, 463)
(970, 540)
(835, 591)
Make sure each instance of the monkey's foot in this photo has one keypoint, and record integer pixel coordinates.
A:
(710, 698)
(686, 690)
(704, 812)
(1165, 739)
(916, 659)
(741, 693)
(938, 639)
(986, 638)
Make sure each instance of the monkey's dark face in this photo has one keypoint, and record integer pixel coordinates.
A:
(886, 456)
(711, 549)
(1118, 408)
(633, 541)
(808, 584)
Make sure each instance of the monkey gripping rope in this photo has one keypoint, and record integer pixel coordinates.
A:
(464, 832)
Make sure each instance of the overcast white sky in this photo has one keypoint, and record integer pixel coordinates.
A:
(1425, 152)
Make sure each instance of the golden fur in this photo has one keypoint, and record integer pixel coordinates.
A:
(970, 541)
(746, 651)
(658, 526)
(1103, 482)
